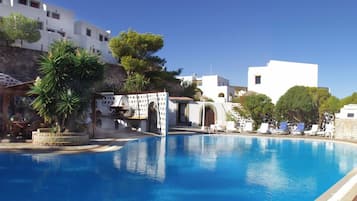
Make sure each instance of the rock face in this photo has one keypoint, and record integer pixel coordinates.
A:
(22, 64)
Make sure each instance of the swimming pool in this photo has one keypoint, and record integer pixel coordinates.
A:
(199, 167)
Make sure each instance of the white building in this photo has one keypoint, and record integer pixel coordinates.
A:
(57, 23)
(346, 122)
(277, 77)
(212, 86)
(347, 112)
(148, 112)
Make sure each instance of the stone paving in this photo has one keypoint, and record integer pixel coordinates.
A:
(108, 141)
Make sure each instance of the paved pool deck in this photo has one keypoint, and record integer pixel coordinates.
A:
(107, 141)
(114, 140)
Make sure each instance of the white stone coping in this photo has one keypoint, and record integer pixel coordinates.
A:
(341, 189)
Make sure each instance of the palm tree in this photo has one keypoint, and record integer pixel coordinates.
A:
(63, 92)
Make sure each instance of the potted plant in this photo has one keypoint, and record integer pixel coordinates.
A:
(68, 75)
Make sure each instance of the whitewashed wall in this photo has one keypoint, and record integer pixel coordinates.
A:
(346, 122)
(140, 104)
(212, 86)
(279, 76)
(53, 27)
(347, 112)
(220, 110)
(172, 113)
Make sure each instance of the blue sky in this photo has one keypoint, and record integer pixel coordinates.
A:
(224, 37)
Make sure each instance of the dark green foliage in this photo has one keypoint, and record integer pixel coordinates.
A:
(297, 105)
(257, 107)
(319, 97)
(19, 27)
(145, 71)
(331, 105)
(64, 91)
(352, 99)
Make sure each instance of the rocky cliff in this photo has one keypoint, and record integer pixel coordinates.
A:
(19, 63)
(23, 64)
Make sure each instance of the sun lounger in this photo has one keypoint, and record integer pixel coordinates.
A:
(313, 131)
(248, 127)
(328, 132)
(217, 128)
(283, 128)
(299, 130)
(264, 128)
(230, 127)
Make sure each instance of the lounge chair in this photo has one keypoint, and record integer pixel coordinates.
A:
(264, 128)
(299, 130)
(327, 132)
(217, 128)
(248, 127)
(230, 127)
(313, 131)
(283, 128)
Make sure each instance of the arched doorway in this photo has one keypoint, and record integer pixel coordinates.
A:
(209, 116)
(152, 118)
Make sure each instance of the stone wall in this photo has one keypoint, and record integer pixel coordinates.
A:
(22, 64)
(346, 129)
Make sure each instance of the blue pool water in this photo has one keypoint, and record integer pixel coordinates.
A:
(181, 168)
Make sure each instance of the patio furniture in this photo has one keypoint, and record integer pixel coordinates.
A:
(299, 130)
(313, 131)
(17, 128)
(230, 127)
(264, 128)
(283, 128)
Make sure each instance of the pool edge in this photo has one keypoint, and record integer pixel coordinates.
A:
(344, 189)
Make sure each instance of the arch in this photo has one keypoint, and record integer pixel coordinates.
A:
(221, 95)
(152, 118)
(210, 115)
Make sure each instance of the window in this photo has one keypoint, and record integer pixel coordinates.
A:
(221, 95)
(63, 34)
(23, 2)
(35, 4)
(40, 25)
(50, 30)
(105, 38)
(350, 115)
(258, 79)
(48, 13)
(56, 16)
(89, 32)
(100, 37)
(199, 82)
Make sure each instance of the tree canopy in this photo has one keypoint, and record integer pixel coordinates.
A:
(297, 105)
(331, 105)
(18, 27)
(319, 97)
(352, 99)
(256, 106)
(145, 71)
(67, 78)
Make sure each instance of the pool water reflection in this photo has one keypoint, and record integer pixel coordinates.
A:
(199, 167)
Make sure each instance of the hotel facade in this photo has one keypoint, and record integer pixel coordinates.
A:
(56, 23)
(277, 77)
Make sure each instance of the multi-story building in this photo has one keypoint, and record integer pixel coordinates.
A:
(212, 86)
(56, 23)
(277, 77)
